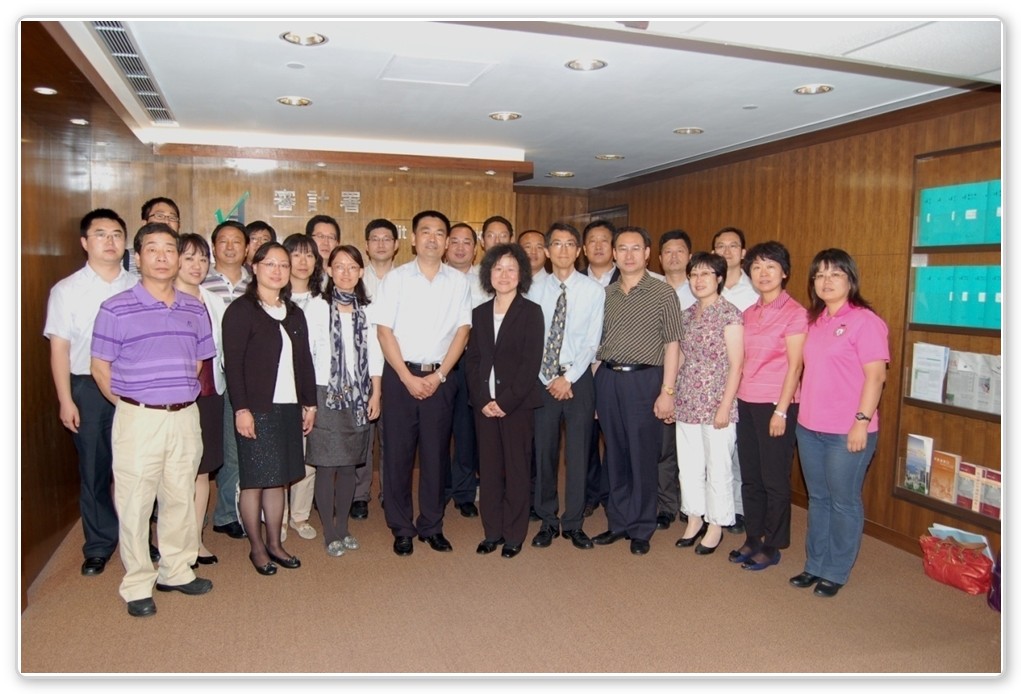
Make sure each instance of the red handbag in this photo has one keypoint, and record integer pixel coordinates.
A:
(963, 566)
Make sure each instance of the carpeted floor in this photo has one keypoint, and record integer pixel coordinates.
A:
(554, 610)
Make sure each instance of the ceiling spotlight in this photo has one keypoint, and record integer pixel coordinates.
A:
(688, 131)
(807, 89)
(585, 64)
(293, 101)
(79, 121)
(45, 91)
(609, 157)
(504, 115)
(560, 174)
(297, 40)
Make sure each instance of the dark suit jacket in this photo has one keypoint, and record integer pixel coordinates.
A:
(251, 355)
(516, 355)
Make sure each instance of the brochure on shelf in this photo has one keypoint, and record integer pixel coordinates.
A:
(928, 371)
(974, 381)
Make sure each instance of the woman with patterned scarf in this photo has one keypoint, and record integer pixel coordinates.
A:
(348, 397)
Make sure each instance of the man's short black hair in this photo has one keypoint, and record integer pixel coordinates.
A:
(466, 225)
(101, 213)
(502, 220)
(729, 230)
(259, 225)
(232, 224)
(675, 235)
(155, 228)
(430, 213)
(149, 204)
(380, 224)
(595, 224)
(641, 231)
(562, 226)
(322, 219)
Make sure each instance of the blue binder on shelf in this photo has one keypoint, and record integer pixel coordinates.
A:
(934, 295)
(968, 307)
(994, 217)
(971, 209)
(994, 297)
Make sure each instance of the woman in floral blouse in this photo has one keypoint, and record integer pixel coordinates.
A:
(712, 349)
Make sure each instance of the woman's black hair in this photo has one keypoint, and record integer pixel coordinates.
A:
(296, 243)
(252, 292)
(770, 250)
(355, 255)
(836, 259)
(716, 263)
(493, 255)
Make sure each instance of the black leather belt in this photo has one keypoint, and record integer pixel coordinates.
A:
(173, 407)
(625, 368)
(424, 368)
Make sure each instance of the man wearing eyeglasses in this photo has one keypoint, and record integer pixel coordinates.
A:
(572, 309)
(533, 242)
(325, 231)
(163, 210)
(70, 315)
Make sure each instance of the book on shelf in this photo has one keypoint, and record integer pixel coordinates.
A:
(989, 493)
(943, 475)
(917, 463)
(968, 482)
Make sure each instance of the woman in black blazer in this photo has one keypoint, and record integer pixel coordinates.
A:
(271, 381)
(502, 367)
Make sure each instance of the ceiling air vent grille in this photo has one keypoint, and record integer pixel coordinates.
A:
(133, 69)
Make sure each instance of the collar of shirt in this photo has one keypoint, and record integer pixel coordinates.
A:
(90, 272)
(147, 299)
(643, 284)
(841, 312)
(776, 303)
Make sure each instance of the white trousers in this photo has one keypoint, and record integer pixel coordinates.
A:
(705, 458)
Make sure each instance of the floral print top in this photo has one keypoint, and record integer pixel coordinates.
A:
(702, 378)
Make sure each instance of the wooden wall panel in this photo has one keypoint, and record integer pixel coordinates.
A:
(853, 192)
(538, 208)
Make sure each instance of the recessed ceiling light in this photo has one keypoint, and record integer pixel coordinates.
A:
(560, 174)
(293, 100)
(504, 115)
(404, 168)
(749, 107)
(688, 131)
(490, 172)
(298, 40)
(609, 157)
(585, 64)
(79, 121)
(45, 91)
(807, 89)
(295, 66)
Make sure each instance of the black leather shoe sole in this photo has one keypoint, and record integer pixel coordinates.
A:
(804, 580)
(403, 546)
(146, 607)
(196, 587)
(93, 566)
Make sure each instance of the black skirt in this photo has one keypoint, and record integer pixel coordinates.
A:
(211, 420)
(274, 458)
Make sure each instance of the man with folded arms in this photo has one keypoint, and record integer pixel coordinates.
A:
(635, 381)
(572, 308)
(423, 315)
(148, 345)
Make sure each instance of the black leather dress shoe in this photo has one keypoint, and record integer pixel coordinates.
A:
(803, 580)
(689, 541)
(145, 607)
(532, 515)
(608, 538)
(578, 538)
(267, 569)
(154, 553)
(211, 559)
(288, 563)
(403, 546)
(544, 538)
(664, 520)
(359, 510)
(590, 508)
(827, 589)
(488, 546)
(639, 546)
(197, 587)
(438, 542)
(468, 510)
(93, 566)
(738, 527)
(510, 551)
(232, 529)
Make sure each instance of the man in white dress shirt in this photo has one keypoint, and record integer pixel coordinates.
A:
(423, 315)
(70, 316)
(534, 244)
(568, 390)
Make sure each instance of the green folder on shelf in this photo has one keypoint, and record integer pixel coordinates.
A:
(994, 217)
(934, 294)
(968, 307)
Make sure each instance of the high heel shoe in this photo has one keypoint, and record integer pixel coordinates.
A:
(267, 569)
(289, 563)
(689, 541)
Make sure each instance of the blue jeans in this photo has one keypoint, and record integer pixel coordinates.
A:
(836, 515)
(227, 476)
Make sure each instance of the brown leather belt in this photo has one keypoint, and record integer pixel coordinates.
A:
(173, 407)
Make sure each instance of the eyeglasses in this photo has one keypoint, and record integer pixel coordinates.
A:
(106, 235)
(161, 217)
(702, 273)
(381, 239)
(563, 244)
(346, 269)
(273, 265)
(834, 275)
(324, 237)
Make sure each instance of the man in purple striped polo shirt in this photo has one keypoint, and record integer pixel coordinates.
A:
(148, 344)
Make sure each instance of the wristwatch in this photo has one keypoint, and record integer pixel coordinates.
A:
(668, 390)
(862, 417)
(443, 379)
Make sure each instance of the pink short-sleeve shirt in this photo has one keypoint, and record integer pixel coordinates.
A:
(766, 329)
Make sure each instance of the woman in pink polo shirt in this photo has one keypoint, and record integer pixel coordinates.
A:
(767, 406)
(846, 353)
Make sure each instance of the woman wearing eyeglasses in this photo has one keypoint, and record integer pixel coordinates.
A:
(712, 351)
(271, 380)
(846, 352)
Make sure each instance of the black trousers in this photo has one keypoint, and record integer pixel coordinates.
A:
(505, 444)
(463, 472)
(669, 501)
(577, 417)
(95, 467)
(597, 486)
(766, 472)
(411, 425)
(634, 439)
